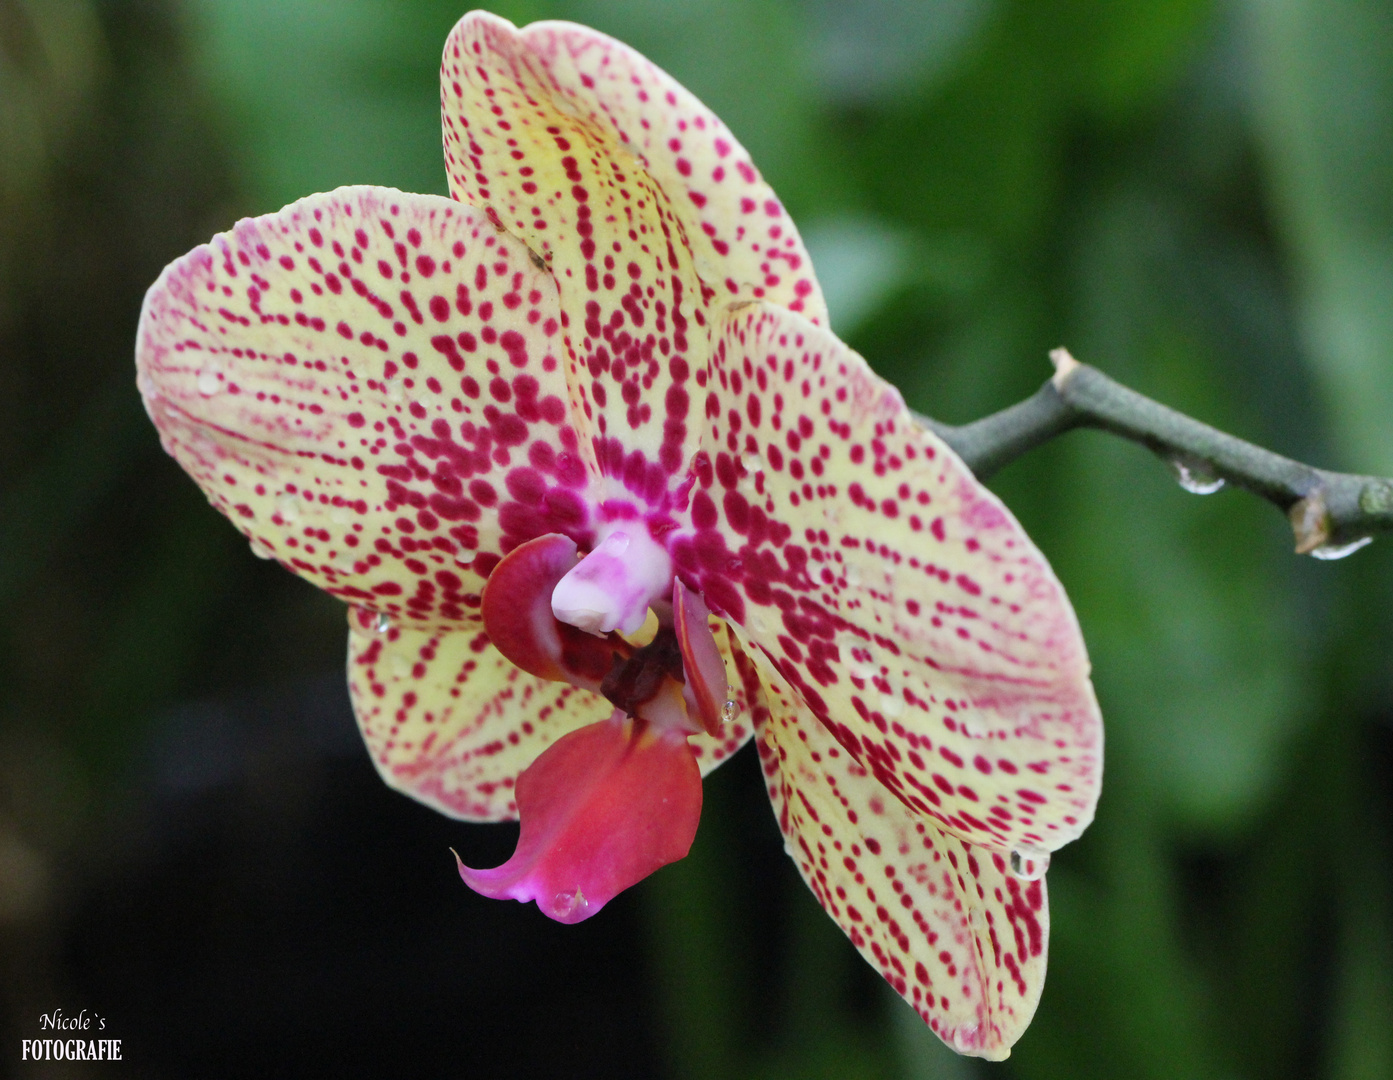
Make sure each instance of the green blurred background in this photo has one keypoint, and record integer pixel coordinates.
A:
(1194, 195)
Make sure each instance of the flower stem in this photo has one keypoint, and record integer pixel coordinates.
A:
(1327, 510)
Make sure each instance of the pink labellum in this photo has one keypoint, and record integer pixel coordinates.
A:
(601, 809)
(705, 671)
(517, 616)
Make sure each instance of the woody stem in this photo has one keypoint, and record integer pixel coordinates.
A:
(1325, 508)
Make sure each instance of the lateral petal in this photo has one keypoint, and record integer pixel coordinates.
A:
(451, 722)
(368, 384)
(943, 920)
(858, 558)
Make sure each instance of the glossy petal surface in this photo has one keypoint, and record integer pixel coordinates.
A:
(956, 935)
(368, 384)
(601, 809)
(860, 560)
(563, 134)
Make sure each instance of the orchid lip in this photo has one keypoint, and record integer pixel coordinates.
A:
(612, 587)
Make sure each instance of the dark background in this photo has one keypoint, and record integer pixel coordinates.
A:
(1195, 196)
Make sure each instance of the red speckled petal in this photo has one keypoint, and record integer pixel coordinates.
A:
(956, 935)
(449, 721)
(368, 384)
(601, 809)
(635, 320)
(860, 559)
(744, 243)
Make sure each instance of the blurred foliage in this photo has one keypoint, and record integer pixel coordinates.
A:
(1192, 194)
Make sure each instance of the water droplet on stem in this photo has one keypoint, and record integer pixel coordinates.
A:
(1195, 476)
(1329, 552)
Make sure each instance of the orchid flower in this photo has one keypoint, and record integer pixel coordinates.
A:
(606, 498)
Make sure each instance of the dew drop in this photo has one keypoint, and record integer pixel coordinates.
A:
(1195, 476)
(382, 623)
(891, 706)
(1328, 552)
(209, 381)
(1029, 864)
(288, 507)
(967, 1038)
(730, 710)
(261, 549)
(853, 574)
(464, 559)
(393, 390)
(566, 904)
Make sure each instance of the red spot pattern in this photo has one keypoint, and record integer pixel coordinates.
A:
(365, 458)
(919, 654)
(390, 392)
(943, 920)
(577, 143)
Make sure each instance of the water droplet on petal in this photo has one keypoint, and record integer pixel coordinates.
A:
(288, 507)
(261, 549)
(464, 559)
(853, 574)
(209, 381)
(730, 710)
(382, 623)
(891, 706)
(392, 388)
(1029, 864)
(968, 1037)
(568, 903)
(1195, 476)
(1339, 551)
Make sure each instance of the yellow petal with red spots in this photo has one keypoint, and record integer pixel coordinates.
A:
(859, 559)
(945, 921)
(565, 136)
(369, 384)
